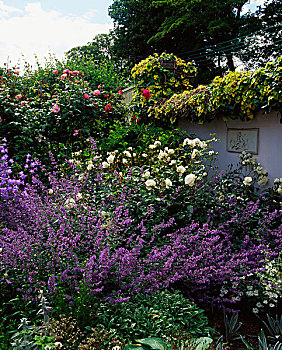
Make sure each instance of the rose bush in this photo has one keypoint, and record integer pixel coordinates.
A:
(57, 114)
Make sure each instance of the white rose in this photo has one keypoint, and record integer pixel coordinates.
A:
(170, 151)
(187, 142)
(105, 165)
(157, 143)
(279, 190)
(211, 153)
(110, 159)
(50, 191)
(172, 162)
(124, 161)
(90, 166)
(263, 180)
(152, 146)
(146, 174)
(190, 179)
(144, 155)
(168, 183)
(128, 154)
(150, 183)
(247, 180)
(194, 153)
(180, 169)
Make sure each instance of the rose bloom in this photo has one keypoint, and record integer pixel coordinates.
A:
(64, 76)
(108, 108)
(146, 93)
(75, 72)
(55, 71)
(86, 96)
(110, 159)
(19, 96)
(55, 109)
(180, 169)
(168, 183)
(96, 92)
(150, 183)
(247, 180)
(128, 154)
(105, 165)
(190, 179)
(66, 71)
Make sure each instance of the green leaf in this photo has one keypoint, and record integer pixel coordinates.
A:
(136, 346)
(202, 343)
(153, 343)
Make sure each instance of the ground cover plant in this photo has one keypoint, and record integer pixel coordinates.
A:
(135, 236)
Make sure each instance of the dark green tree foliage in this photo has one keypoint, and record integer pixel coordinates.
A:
(212, 22)
(266, 44)
(135, 22)
(101, 47)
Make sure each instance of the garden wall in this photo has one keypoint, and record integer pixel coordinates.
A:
(262, 135)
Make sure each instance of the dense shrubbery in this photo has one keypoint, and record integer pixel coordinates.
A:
(54, 111)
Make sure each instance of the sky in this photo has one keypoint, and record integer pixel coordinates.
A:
(43, 27)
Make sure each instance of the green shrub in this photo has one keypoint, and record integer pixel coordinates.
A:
(158, 314)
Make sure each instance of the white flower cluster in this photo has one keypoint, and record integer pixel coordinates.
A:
(195, 143)
(249, 161)
(278, 183)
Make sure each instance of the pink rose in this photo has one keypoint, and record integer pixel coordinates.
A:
(55, 109)
(75, 72)
(96, 92)
(64, 76)
(75, 133)
(86, 96)
(146, 93)
(66, 71)
(108, 108)
(55, 71)
(19, 96)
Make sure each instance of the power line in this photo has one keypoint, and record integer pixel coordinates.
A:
(231, 40)
(220, 51)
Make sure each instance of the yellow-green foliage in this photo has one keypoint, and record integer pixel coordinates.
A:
(163, 75)
(236, 95)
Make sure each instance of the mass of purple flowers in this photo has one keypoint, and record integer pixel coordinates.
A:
(68, 235)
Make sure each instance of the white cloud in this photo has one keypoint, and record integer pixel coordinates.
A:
(5, 10)
(36, 31)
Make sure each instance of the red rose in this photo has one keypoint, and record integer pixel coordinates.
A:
(146, 93)
(108, 108)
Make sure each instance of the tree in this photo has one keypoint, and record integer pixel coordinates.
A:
(101, 47)
(265, 44)
(135, 22)
(212, 22)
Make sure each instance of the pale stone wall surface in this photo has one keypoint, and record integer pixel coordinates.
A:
(269, 140)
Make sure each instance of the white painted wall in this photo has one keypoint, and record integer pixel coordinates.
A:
(269, 142)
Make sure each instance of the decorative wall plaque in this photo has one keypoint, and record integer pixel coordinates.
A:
(239, 140)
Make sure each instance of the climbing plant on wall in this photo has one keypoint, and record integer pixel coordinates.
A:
(236, 95)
